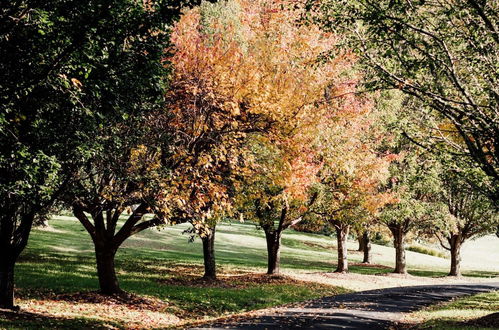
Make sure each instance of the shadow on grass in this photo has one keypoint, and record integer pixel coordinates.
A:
(27, 320)
(39, 277)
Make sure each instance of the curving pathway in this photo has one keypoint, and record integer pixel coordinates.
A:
(373, 309)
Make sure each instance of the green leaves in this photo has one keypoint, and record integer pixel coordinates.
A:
(443, 55)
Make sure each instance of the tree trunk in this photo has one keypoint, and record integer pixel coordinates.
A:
(7, 282)
(367, 247)
(399, 244)
(341, 236)
(273, 251)
(108, 281)
(455, 253)
(360, 239)
(210, 269)
(14, 235)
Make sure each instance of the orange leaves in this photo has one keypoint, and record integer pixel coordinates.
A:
(252, 92)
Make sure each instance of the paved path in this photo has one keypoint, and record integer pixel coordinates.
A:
(374, 309)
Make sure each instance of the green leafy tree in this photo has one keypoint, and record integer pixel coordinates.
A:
(70, 73)
(415, 186)
(444, 55)
(470, 215)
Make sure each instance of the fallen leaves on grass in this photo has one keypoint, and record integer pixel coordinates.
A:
(231, 281)
(128, 310)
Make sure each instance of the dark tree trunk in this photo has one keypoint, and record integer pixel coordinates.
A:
(108, 281)
(455, 253)
(210, 267)
(7, 282)
(341, 236)
(366, 247)
(399, 244)
(360, 239)
(273, 238)
(107, 239)
(13, 240)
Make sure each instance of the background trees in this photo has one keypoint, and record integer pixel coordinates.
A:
(352, 172)
(414, 183)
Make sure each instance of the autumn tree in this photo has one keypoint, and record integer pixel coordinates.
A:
(279, 193)
(209, 115)
(442, 54)
(352, 172)
(242, 69)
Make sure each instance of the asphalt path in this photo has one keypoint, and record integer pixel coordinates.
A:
(373, 309)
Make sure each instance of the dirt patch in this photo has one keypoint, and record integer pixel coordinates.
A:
(377, 266)
(320, 245)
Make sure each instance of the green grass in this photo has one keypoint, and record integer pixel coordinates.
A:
(426, 250)
(461, 313)
(164, 265)
(161, 264)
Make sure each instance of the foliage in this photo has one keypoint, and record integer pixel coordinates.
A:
(248, 88)
(442, 54)
(71, 73)
(355, 167)
(470, 214)
(414, 181)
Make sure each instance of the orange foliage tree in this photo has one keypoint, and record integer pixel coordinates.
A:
(352, 173)
(241, 69)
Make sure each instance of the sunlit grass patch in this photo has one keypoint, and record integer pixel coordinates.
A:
(462, 312)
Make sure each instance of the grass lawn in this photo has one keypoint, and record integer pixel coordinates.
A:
(56, 278)
(462, 313)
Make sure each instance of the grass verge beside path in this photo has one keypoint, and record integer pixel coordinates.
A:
(462, 313)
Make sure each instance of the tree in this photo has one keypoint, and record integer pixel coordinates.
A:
(443, 55)
(352, 173)
(415, 185)
(68, 69)
(366, 247)
(471, 214)
(239, 75)
(278, 194)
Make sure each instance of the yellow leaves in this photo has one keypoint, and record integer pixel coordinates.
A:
(233, 108)
(76, 83)
(246, 66)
